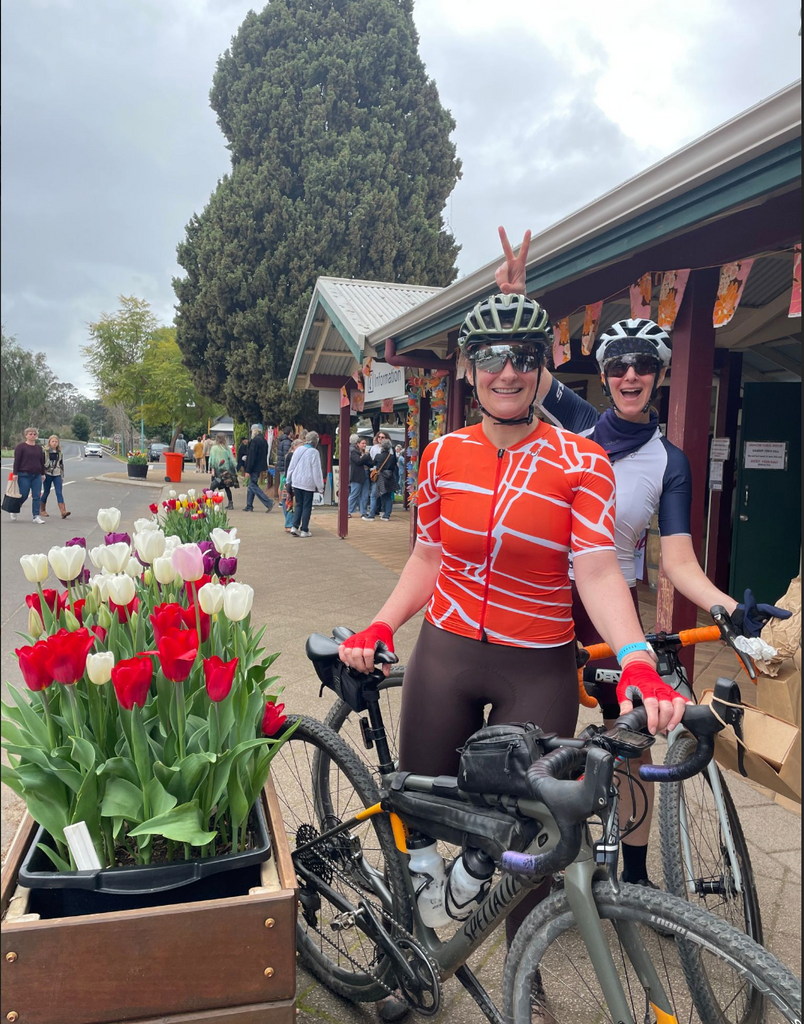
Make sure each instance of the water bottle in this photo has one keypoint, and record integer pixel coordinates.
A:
(429, 878)
(468, 882)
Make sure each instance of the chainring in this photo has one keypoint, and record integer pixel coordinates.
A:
(424, 997)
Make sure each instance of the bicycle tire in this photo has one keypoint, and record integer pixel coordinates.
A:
(343, 721)
(296, 771)
(547, 942)
(711, 867)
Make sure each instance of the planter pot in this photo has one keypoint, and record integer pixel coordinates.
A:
(217, 950)
(138, 472)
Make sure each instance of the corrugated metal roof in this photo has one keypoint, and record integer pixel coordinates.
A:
(367, 305)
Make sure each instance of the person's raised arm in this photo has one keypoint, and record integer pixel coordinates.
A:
(511, 275)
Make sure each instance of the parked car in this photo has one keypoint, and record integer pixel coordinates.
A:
(155, 450)
(93, 448)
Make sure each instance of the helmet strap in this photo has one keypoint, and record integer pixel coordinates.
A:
(507, 423)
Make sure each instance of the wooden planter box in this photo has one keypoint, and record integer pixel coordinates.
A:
(224, 961)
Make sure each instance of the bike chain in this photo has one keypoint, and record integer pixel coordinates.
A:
(391, 925)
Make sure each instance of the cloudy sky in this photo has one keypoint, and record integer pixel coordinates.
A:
(109, 144)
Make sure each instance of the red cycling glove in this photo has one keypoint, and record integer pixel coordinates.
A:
(369, 638)
(642, 680)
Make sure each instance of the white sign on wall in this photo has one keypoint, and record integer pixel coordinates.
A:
(720, 449)
(765, 455)
(385, 381)
(329, 402)
(715, 475)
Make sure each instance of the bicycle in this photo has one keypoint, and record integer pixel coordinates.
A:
(360, 925)
(705, 856)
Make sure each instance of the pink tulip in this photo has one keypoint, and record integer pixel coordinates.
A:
(188, 561)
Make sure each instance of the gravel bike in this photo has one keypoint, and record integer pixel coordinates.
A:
(595, 947)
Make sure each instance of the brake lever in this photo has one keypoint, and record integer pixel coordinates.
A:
(729, 635)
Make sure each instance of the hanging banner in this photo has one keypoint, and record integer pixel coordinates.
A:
(357, 377)
(357, 401)
(387, 405)
(561, 342)
(641, 298)
(591, 322)
(795, 299)
(344, 397)
(730, 290)
(671, 295)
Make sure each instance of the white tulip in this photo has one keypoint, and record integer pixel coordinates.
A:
(182, 498)
(133, 568)
(100, 587)
(164, 570)
(109, 519)
(115, 557)
(97, 556)
(171, 543)
(121, 589)
(171, 493)
(210, 597)
(35, 568)
(144, 525)
(237, 601)
(67, 563)
(99, 667)
(225, 543)
(191, 492)
(149, 545)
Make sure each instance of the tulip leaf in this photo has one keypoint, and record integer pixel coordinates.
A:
(83, 753)
(86, 809)
(164, 699)
(123, 800)
(182, 824)
(59, 862)
(9, 711)
(194, 769)
(159, 800)
(139, 744)
(238, 801)
(9, 731)
(32, 722)
(121, 768)
(11, 779)
(263, 767)
(46, 798)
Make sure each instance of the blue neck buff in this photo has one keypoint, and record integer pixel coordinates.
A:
(619, 437)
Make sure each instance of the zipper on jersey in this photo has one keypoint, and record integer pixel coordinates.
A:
(482, 632)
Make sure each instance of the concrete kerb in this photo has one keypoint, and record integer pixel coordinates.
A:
(124, 478)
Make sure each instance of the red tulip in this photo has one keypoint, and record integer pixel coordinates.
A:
(164, 617)
(177, 651)
(99, 632)
(188, 617)
(132, 680)
(67, 654)
(34, 667)
(219, 676)
(154, 508)
(55, 601)
(273, 719)
(124, 611)
(77, 609)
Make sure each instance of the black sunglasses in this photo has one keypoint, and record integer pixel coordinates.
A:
(643, 365)
(492, 358)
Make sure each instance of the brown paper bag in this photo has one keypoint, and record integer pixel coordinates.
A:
(771, 751)
(781, 695)
(783, 634)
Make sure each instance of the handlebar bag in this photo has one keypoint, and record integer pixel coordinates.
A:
(496, 759)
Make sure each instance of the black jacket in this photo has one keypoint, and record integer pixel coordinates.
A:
(387, 481)
(359, 464)
(257, 456)
(283, 444)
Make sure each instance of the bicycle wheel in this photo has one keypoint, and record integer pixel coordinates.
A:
(549, 942)
(695, 857)
(361, 864)
(346, 723)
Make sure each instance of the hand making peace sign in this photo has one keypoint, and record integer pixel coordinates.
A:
(511, 275)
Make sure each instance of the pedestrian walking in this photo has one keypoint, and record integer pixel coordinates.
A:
(400, 470)
(359, 482)
(256, 463)
(198, 452)
(283, 443)
(242, 454)
(208, 442)
(54, 476)
(180, 447)
(29, 471)
(222, 467)
(374, 451)
(305, 477)
(385, 465)
(287, 492)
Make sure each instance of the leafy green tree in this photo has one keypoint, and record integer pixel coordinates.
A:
(25, 380)
(81, 426)
(341, 165)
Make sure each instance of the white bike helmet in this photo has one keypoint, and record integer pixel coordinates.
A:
(634, 337)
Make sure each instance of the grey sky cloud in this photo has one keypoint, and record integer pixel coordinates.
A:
(110, 146)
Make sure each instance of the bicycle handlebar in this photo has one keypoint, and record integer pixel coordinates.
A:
(571, 802)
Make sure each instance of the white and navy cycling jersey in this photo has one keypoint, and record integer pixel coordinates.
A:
(654, 477)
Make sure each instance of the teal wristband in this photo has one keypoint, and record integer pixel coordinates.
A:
(629, 649)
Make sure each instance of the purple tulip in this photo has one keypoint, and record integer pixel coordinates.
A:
(77, 542)
(117, 538)
(210, 561)
(85, 576)
(227, 567)
(206, 545)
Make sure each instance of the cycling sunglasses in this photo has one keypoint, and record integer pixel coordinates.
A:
(492, 358)
(642, 364)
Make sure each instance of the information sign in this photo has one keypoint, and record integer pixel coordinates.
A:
(765, 455)
(720, 449)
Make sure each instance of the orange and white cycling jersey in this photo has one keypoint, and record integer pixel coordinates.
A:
(506, 521)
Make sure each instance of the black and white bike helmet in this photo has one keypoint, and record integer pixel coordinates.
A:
(507, 320)
(634, 337)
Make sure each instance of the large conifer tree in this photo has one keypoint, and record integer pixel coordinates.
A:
(341, 166)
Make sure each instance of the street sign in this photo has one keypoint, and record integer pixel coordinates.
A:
(117, 438)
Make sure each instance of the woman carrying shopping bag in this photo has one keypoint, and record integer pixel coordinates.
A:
(54, 476)
(29, 471)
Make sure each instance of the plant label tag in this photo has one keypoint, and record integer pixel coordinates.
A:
(80, 843)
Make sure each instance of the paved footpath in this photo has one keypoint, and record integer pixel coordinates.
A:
(310, 585)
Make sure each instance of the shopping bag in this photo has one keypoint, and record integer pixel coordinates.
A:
(12, 499)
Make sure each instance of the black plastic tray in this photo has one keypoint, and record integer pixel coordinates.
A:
(37, 870)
